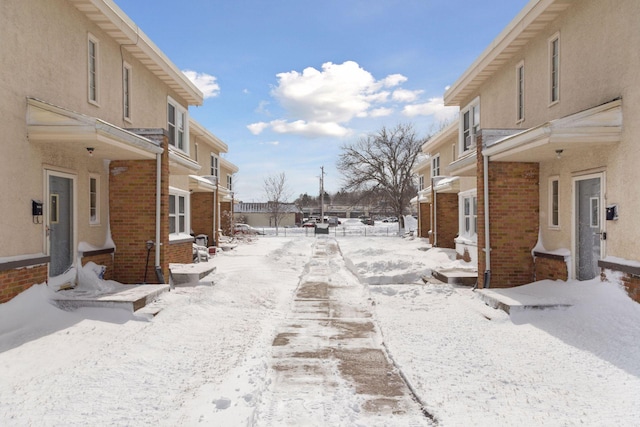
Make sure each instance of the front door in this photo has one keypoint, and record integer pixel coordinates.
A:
(60, 222)
(589, 226)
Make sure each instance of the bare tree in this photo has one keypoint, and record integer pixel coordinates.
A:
(278, 193)
(383, 163)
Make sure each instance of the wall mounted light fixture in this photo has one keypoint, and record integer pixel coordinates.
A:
(559, 153)
(90, 150)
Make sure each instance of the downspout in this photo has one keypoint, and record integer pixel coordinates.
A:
(434, 217)
(158, 200)
(487, 242)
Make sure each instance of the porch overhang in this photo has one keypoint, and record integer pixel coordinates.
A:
(424, 196)
(464, 166)
(48, 124)
(596, 127)
(448, 184)
(201, 184)
(181, 164)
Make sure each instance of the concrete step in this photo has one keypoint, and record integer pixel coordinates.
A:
(130, 297)
(456, 276)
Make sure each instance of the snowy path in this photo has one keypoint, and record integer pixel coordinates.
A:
(328, 365)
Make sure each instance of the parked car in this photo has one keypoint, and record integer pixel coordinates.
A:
(367, 221)
(390, 219)
(309, 224)
(333, 221)
(245, 229)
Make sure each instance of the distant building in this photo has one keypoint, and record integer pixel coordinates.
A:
(260, 214)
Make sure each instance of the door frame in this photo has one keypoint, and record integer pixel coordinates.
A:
(48, 172)
(573, 274)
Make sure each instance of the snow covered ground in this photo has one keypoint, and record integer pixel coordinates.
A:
(205, 359)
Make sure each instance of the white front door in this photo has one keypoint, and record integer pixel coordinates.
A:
(60, 222)
(589, 225)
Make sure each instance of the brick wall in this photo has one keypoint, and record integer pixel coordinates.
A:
(180, 253)
(446, 219)
(550, 267)
(202, 215)
(424, 220)
(17, 280)
(132, 203)
(102, 259)
(513, 215)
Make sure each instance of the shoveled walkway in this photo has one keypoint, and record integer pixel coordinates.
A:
(329, 364)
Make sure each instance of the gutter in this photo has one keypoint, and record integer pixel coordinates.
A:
(158, 200)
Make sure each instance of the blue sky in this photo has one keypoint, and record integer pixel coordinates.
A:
(288, 82)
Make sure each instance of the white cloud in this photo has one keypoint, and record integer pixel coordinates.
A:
(435, 107)
(322, 102)
(205, 82)
(257, 128)
(404, 95)
(381, 112)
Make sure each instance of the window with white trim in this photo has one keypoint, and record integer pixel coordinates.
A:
(435, 165)
(554, 68)
(179, 212)
(126, 91)
(469, 125)
(215, 168)
(230, 182)
(94, 199)
(468, 214)
(177, 125)
(93, 63)
(421, 183)
(520, 92)
(554, 202)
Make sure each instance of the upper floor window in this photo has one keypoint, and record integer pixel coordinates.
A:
(230, 182)
(215, 170)
(469, 125)
(94, 199)
(554, 68)
(126, 91)
(92, 68)
(177, 124)
(421, 183)
(520, 92)
(435, 165)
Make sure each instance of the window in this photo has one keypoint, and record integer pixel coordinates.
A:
(554, 219)
(554, 68)
(126, 91)
(177, 125)
(435, 165)
(421, 183)
(230, 182)
(214, 165)
(178, 212)
(469, 125)
(520, 92)
(92, 68)
(468, 208)
(94, 199)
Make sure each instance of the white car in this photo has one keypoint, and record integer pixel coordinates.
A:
(245, 229)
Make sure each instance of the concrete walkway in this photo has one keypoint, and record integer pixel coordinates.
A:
(330, 343)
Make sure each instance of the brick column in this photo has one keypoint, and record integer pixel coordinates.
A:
(132, 213)
(514, 219)
(202, 215)
(424, 221)
(446, 219)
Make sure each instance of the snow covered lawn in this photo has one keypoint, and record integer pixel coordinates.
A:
(205, 359)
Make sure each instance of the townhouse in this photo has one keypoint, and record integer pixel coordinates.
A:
(447, 204)
(211, 187)
(547, 127)
(96, 147)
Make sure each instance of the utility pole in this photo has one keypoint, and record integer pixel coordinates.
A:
(322, 194)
